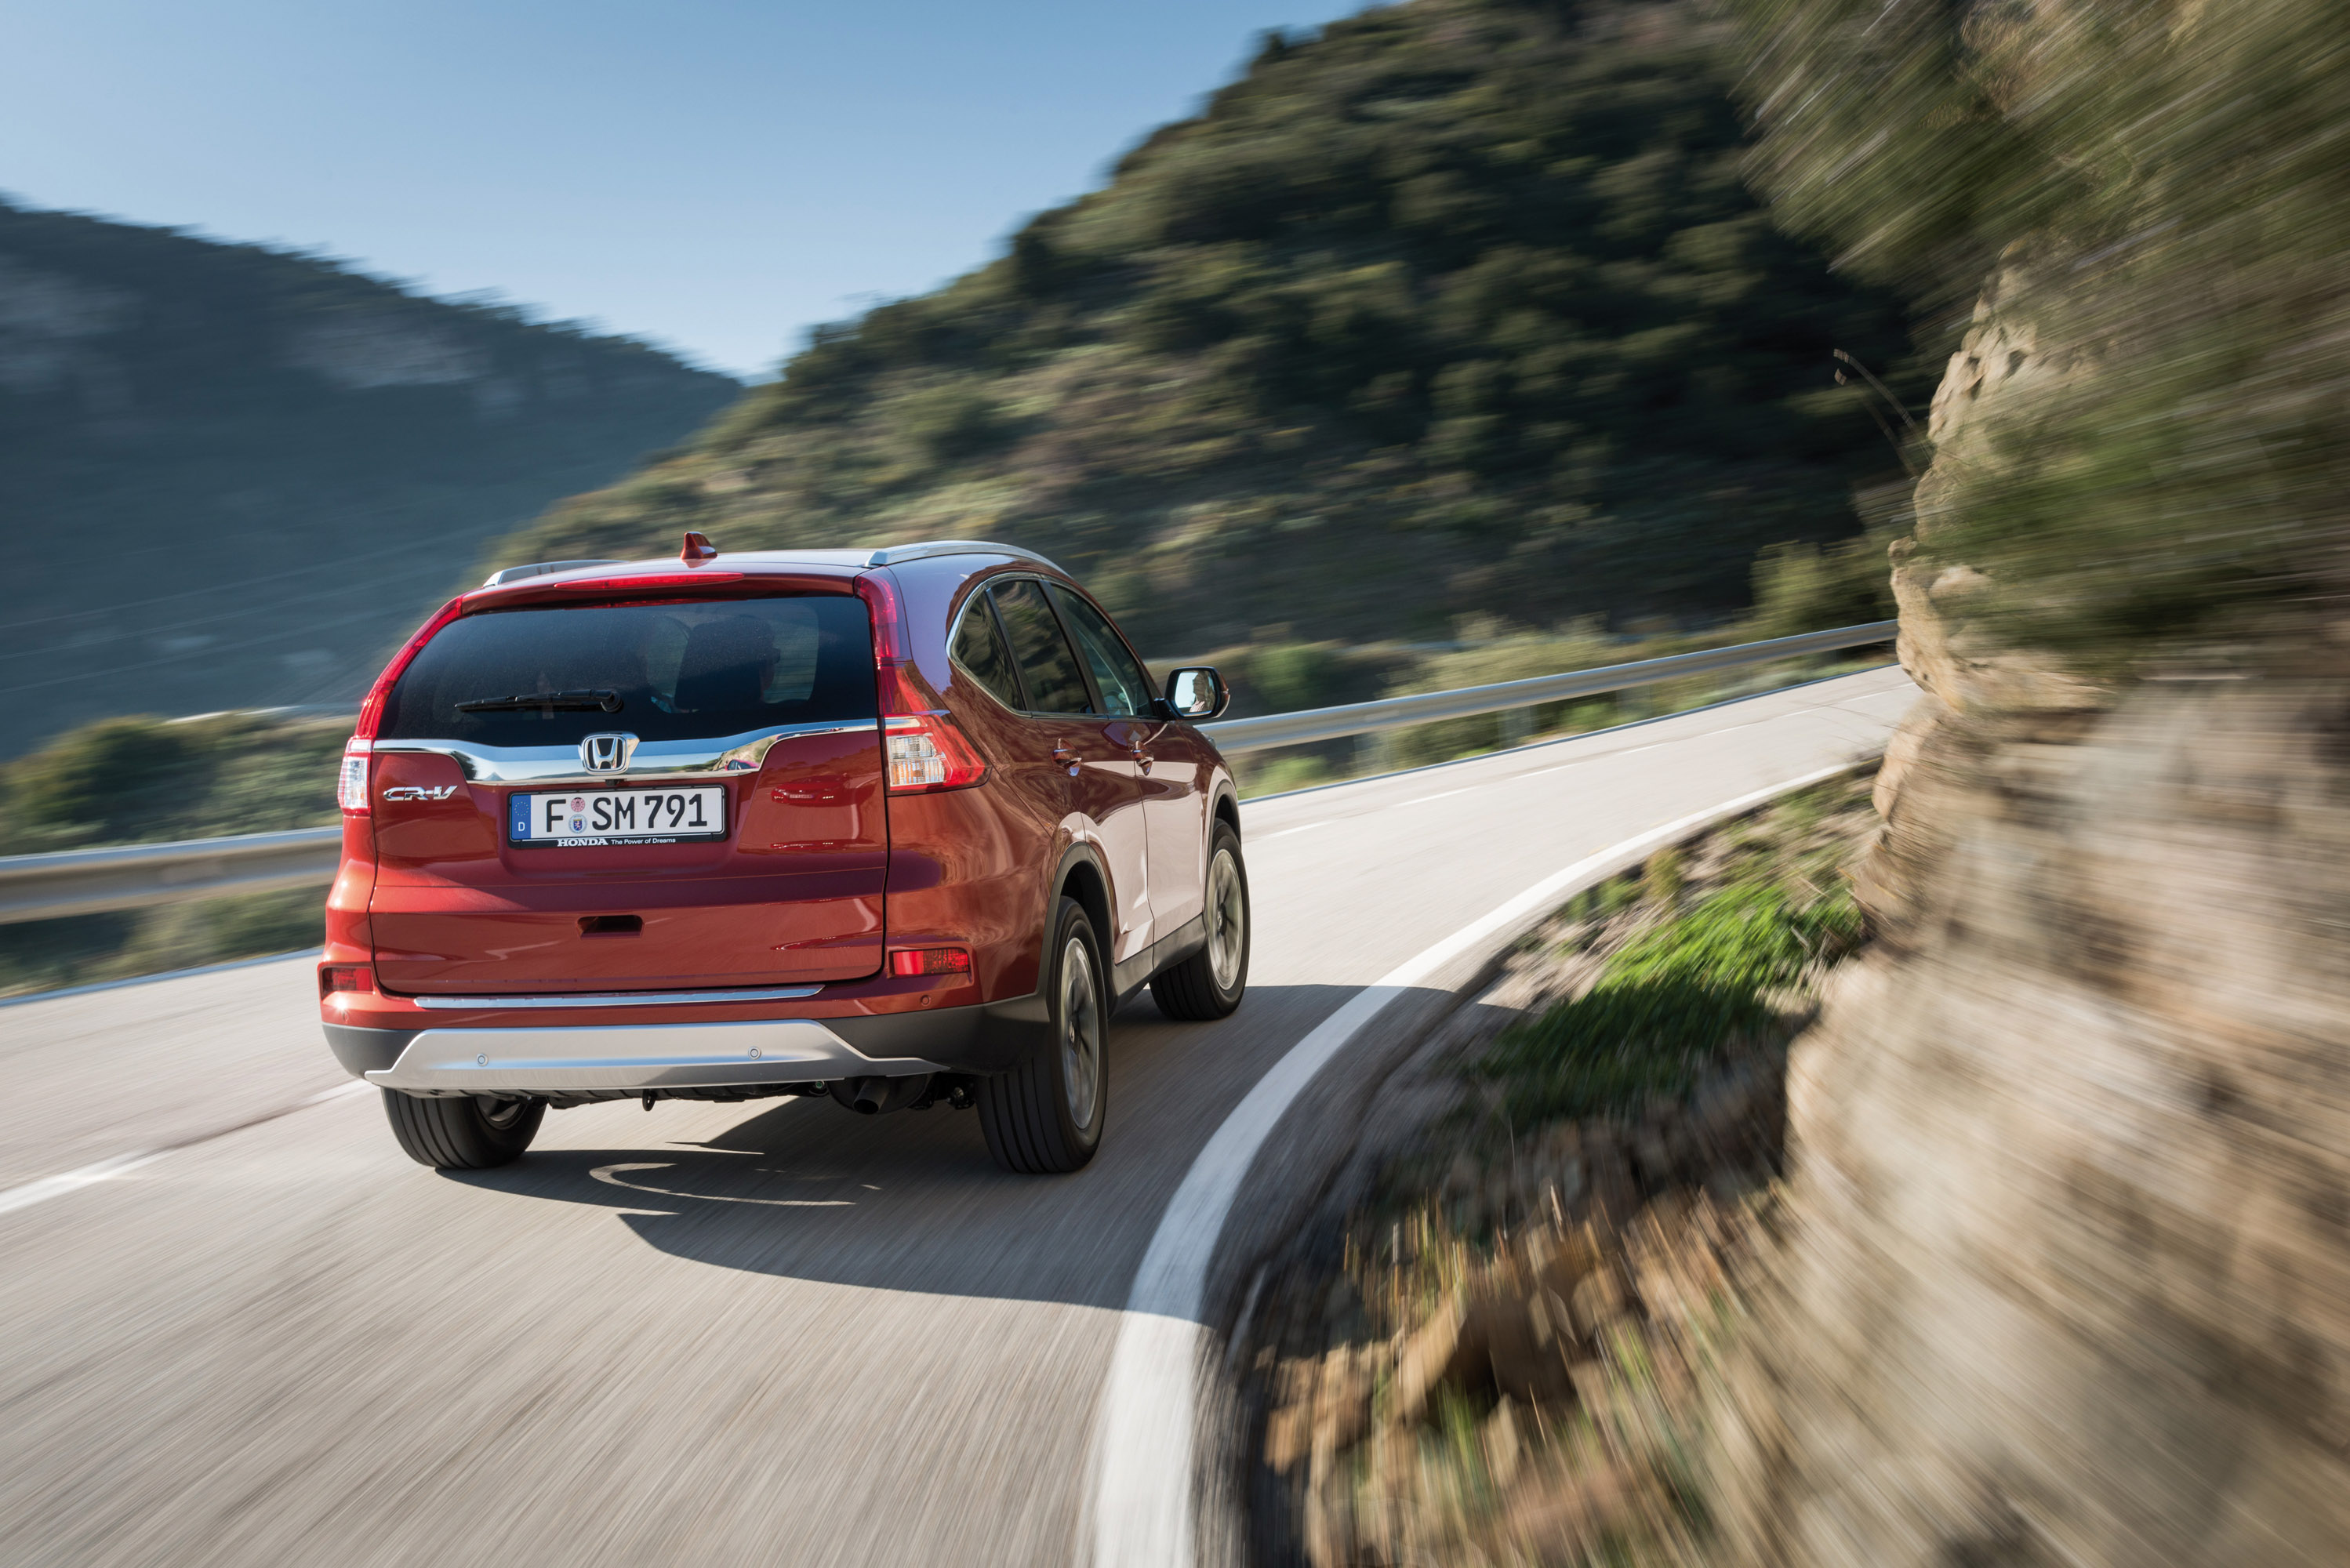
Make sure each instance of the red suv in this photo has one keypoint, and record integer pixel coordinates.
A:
(897, 825)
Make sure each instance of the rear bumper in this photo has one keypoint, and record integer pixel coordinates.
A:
(631, 1057)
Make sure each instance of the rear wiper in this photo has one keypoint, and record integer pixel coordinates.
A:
(601, 698)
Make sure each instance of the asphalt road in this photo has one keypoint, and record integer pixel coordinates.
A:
(706, 1333)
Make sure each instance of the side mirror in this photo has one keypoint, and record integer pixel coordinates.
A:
(1196, 691)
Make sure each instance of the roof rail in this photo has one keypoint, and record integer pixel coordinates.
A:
(891, 555)
(539, 569)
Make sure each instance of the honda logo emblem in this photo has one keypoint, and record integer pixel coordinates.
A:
(607, 753)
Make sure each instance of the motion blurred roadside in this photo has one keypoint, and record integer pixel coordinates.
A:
(2066, 1272)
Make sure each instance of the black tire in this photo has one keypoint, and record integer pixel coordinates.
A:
(1046, 1116)
(1211, 982)
(473, 1133)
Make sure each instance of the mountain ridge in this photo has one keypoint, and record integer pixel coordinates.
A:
(1454, 306)
(181, 418)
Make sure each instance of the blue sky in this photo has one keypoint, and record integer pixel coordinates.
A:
(717, 177)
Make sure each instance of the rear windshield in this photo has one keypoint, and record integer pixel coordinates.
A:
(659, 671)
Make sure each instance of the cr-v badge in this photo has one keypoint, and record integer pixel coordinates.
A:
(418, 792)
(607, 753)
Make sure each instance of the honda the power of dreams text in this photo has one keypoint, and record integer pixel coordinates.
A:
(898, 826)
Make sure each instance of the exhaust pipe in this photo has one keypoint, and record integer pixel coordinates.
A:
(871, 1097)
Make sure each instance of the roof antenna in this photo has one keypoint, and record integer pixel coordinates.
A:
(698, 548)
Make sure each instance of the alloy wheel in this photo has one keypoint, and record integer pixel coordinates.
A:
(499, 1113)
(1227, 919)
(1081, 1032)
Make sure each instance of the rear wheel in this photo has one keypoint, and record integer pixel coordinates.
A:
(1209, 984)
(472, 1133)
(1045, 1114)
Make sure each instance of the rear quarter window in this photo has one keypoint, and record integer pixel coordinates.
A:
(979, 650)
(679, 671)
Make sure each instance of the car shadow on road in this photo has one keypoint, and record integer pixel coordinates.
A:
(910, 1201)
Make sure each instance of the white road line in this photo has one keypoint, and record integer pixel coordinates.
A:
(1265, 837)
(1440, 794)
(1139, 1504)
(51, 1187)
(48, 1187)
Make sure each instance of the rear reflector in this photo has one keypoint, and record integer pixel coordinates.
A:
(335, 977)
(930, 960)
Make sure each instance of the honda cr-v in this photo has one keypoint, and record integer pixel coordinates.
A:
(902, 827)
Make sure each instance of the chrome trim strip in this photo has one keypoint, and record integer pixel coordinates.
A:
(619, 999)
(653, 760)
(633, 1056)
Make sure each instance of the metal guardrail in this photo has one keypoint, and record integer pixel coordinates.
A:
(135, 876)
(1236, 735)
(87, 881)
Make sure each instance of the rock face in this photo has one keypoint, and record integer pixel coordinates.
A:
(2067, 1274)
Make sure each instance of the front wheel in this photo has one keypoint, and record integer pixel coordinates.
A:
(1209, 984)
(1045, 1114)
(472, 1132)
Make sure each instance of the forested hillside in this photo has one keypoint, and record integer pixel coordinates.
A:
(231, 476)
(1456, 307)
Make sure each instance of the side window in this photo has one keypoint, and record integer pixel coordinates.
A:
(1054, 684)
(979, 650)
(1121, 681)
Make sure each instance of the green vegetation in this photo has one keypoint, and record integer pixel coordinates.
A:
(131, 781)
(142, 781)
(180, 419)
(1665, 1006)
(2153, 195)
(1686, 977)
(1460, 306)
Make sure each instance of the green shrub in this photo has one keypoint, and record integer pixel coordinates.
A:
(1806, 588)
(1667, 1004)
(1292, 676)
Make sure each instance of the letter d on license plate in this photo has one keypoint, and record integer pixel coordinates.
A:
(580, 820)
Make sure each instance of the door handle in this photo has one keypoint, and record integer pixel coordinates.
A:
(1141, 758)
(1067, 756)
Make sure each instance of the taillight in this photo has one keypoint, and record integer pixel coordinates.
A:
(922, 749)
(924, 752)
(351, 786)
(930, 960)
(335, 977)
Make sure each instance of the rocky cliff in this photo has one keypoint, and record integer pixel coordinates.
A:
(2066, 1277)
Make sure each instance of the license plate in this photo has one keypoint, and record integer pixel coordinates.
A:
(585, 819)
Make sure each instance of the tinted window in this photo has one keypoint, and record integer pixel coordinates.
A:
(680, 671)
(1120, 680)
(1054, 684)
(979, 648)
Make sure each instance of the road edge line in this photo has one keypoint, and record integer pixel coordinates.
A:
(40, 1189)
(1139, 1510)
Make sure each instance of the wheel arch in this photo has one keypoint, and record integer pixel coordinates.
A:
(1081, 876)
(1226, 808)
